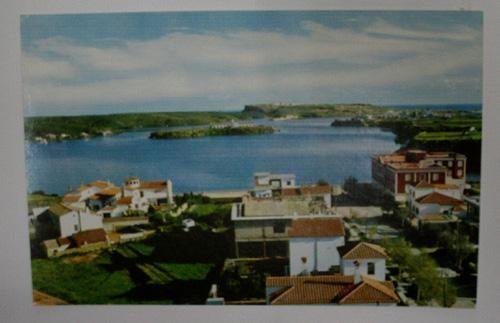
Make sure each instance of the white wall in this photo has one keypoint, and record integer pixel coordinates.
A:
(424, 209)
(347, 267)
(76, 221)
(90, 221)
(321, 253)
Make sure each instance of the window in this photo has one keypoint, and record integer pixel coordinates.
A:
(435, 176)
(75, 227)
(371, 268)
(304, 259)
(421, 177)
(460, 173)
(288, 183)
(279, 227)
(142, 193)
(408, 177)
(460, 163)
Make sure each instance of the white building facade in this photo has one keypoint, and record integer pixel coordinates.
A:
(310, 254)
(78, 220)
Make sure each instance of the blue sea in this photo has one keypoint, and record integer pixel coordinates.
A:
(309, 148)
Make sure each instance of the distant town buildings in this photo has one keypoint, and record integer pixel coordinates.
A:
(88, 212)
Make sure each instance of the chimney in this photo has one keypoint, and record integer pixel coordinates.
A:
(213, 291)
(357, 275)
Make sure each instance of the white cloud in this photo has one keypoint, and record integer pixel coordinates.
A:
(458, 33)
(181, 65)
(35, 69)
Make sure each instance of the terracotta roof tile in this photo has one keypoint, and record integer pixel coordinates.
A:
(126, 200)
(153, 185)
(307, 190)
(371, 291)
(110, 191)
(59, 209)
(70, 198)
(89, 236)
(274, 281)
(362, 250)
(438, 198)
(318, 227)
(100, 184)
(326, 289)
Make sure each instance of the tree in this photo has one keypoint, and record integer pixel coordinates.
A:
(424, 274)
(350, 185)
(399, 252)
(457, 245)
(322, 182)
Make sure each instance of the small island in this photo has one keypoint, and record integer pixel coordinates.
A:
(219, 130)
(348, 122)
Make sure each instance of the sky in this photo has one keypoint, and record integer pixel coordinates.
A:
(220, 61)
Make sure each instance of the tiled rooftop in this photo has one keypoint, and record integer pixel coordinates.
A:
(318, 227)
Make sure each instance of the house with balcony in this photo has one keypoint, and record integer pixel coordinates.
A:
(395, 171)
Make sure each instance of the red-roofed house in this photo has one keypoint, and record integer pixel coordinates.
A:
(437, 203)
(151, 192)
(313, 244)
(365, 258)
(395, 171)
(62, 221)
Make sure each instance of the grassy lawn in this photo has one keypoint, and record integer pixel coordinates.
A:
(84, 283)
(195, 271)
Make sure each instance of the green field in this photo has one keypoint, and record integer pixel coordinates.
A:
(95, 282)
(40, 199)
(448, 136)
(163, 272)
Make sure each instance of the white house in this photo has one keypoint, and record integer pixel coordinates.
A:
(364, 259)
(424, 188)
(437, 203)
(155, 192)
(113, 211)
(274, 181)
(103, 198)
(132, 202)
(62, 221)
(313, 244)
(78, 198)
